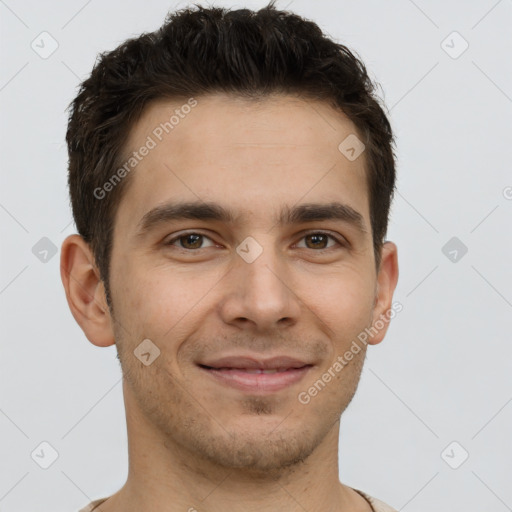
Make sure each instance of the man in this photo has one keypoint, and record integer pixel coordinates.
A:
(230, 177)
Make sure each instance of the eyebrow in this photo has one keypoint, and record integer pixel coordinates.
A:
(210, 211)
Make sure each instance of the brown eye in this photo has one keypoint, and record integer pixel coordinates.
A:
(319, 241)
(316, 241)
(189, 241)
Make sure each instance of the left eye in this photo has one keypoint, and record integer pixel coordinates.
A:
(192, 241)
(318, 240)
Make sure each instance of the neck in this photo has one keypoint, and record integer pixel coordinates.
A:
(165, 476)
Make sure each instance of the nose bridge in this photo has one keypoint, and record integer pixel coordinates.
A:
(261, 274)
(260, 267)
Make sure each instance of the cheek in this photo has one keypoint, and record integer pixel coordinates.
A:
(162, 302)
(343, 301)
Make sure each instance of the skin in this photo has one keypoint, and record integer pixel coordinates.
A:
(196, 444)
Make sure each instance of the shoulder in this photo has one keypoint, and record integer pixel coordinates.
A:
(93, 505)
(377, 505)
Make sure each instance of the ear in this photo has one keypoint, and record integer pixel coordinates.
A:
(387, 279)
(85, 292)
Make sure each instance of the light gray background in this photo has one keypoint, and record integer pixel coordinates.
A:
(444, 370)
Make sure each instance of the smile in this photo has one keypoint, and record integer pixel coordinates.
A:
(257, 380)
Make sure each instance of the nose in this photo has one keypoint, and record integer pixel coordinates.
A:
(260, 295)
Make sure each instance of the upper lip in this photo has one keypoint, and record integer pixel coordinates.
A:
(278, 362)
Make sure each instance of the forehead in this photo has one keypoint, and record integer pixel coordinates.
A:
(253, 157)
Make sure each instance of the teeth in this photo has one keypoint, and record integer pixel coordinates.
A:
(257, 370)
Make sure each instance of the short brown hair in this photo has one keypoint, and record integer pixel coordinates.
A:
(200, 51)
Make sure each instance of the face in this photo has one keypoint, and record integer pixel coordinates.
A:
(273, 279)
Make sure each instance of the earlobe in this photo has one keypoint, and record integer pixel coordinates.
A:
(85, 292)
(387, 279)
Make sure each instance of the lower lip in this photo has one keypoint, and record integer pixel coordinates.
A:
(258, 382)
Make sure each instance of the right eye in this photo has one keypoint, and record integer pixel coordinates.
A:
(189, 241)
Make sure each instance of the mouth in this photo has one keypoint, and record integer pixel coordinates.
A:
(260, 377)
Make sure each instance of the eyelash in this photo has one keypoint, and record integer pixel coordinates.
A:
(341, 242)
